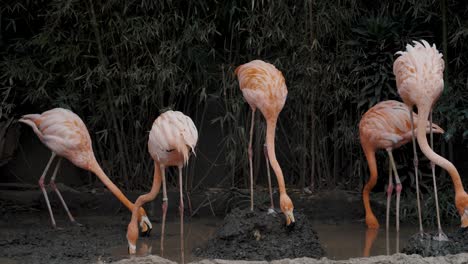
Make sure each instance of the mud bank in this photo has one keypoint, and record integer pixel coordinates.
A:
(397, 258)
(258, 236)
(426, 246)
(27, 238)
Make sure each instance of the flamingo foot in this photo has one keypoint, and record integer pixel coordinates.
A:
(77, 224)
(441, 237)
(271, 211)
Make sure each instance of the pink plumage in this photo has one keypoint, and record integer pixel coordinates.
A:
(172, 137)
(419, 75)
(262, 85)
(66, 135)
(63, 132)
(386, 125)
(172, 132)
(421, 68)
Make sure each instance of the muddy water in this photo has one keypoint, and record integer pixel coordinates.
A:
(197, 232)
(344, 241)
(350, 240)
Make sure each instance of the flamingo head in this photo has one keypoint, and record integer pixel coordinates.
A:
(461, 202)
(132, 237)
(435, 129)
(287, 208)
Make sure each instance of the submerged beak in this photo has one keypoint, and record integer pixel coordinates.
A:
(290, 221)
(464, 219)
(131, 249)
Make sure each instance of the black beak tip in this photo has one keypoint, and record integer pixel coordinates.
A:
(291, 226)
(145, 233)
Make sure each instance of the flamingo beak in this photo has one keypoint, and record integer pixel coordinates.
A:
(464, 219)
(131, 249)
(146, 226)
(437, 129)
(290, 221)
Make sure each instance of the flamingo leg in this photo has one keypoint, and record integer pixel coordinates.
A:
(397, 238)
(189, 202)
(415, 162)
(164, 208)
(397, 190)
(181, 211)
(389, 195)
(271, 210)
(44, 192)
(441, 236)
(54, 187)
(387, 241)
(252, 123)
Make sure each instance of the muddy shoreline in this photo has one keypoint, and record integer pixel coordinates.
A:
(26, 235)
(396, 258)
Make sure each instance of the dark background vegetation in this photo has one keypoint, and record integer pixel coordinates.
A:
(118, 64)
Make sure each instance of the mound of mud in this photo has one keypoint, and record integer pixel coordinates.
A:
(247, 235)
(426, 246)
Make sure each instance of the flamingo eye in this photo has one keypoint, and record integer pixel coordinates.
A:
(169, 150)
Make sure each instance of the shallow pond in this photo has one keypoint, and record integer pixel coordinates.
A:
(342, 241)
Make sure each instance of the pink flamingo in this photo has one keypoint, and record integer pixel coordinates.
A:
(264, 87)
(419, 76)
(172, 138)
(65, 134)
(387, 126)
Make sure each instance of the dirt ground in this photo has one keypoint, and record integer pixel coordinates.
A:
(26, 235)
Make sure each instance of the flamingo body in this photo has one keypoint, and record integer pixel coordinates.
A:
(263, 86)
(419, 74)
(66, 135)
(386, 125)
(172, 137)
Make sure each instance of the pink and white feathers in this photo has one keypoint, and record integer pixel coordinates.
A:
(420, 67)
(172, 130)
(64, 133)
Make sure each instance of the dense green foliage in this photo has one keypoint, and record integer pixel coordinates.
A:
(118, 64)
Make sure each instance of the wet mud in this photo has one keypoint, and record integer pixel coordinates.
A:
(246, 235)
(427, 246)
(27, 238)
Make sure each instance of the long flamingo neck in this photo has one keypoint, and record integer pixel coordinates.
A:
(157, 180)
(132, 229)
(96, 169)
(270, 140)
(423, 112)
(372, 163)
